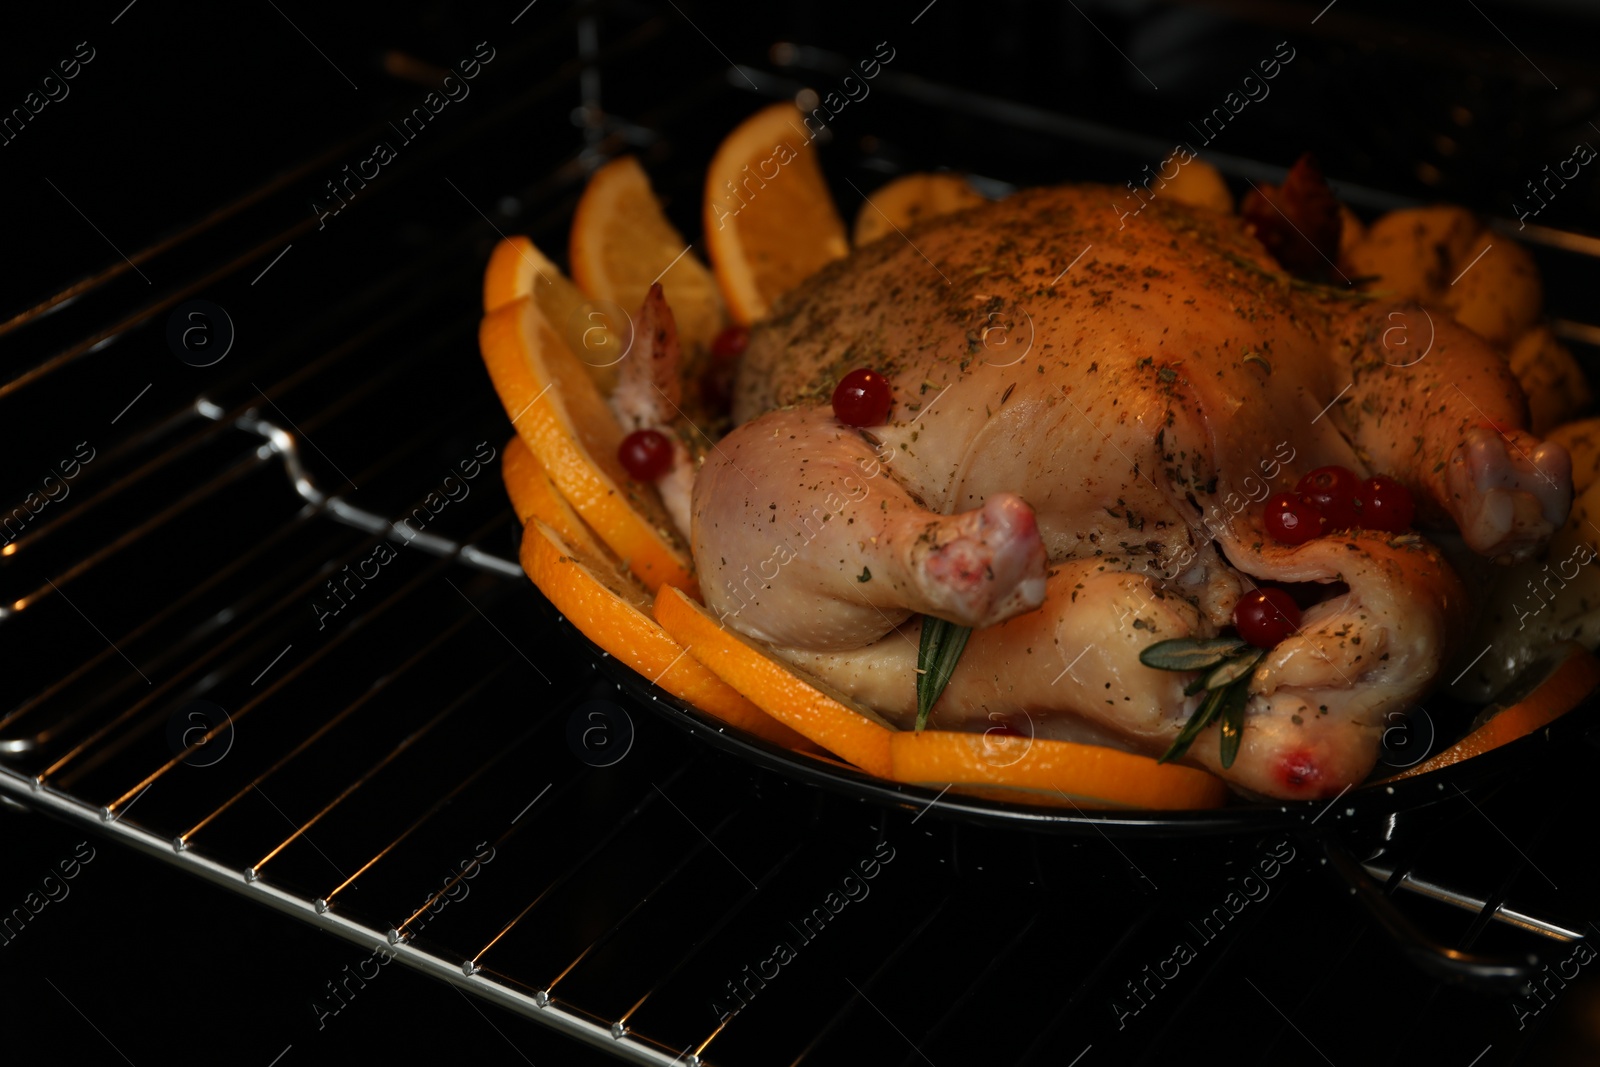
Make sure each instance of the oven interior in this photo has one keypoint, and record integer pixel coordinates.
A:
(270, 716)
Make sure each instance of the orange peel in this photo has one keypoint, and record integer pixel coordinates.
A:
(769, 221)
(621, 242)
(1574, 676)
(843, 727)
(517, 269)
(558, 411)
(1037, 770)
(611, 609)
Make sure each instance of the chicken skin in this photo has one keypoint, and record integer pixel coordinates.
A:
(1089, 410)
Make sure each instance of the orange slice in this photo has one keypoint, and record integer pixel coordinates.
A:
(1546, 691)
(517, 268)
(911, 199)
(558, 411)
(534, 496)
(513, 267)
(769, 221)
(1036, 797)
(1088, 775)
(622, 242)
(612, 610)
(835, 722)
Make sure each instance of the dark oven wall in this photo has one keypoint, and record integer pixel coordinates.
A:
(155, 154)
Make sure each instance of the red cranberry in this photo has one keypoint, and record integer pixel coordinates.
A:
(716, 387)
(1333, 491)
(862, 398)
(730, 344)
(1386, 505)
(645, 454)
(1291, 519)
(1266, 616)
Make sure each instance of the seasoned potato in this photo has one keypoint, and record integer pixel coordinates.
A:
(1582, 440)
(1198, 184)
(1550, 377)
(1444, 256)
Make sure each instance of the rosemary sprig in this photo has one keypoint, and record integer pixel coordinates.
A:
(1231, 717)
(1198, 721)
(1227, 664)
(937, 655)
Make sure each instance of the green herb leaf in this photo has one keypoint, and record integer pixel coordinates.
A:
(1232, 670)
(940, 650)
(865, 575)
(1190, 653)
(1198, 721)
(1227, 664)
(1232, 719)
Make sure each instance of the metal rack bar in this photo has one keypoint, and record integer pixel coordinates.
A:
(179, 648)
(565, 74)
(399, 932)
(562, 878)
(333, 643)
(1467, 902)
(573, 1023)
(254, 870)
(694, 851)
(324, 902)
(182, 840)
(620, 1026)
(17, 746)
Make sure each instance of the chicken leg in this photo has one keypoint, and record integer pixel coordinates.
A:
(800, 534)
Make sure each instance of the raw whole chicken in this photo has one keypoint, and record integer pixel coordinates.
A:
(1089, 409)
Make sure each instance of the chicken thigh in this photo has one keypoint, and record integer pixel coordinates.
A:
(1089, 409)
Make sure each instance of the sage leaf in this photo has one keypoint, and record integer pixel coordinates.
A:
(1190, 653)
(1232, 670)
